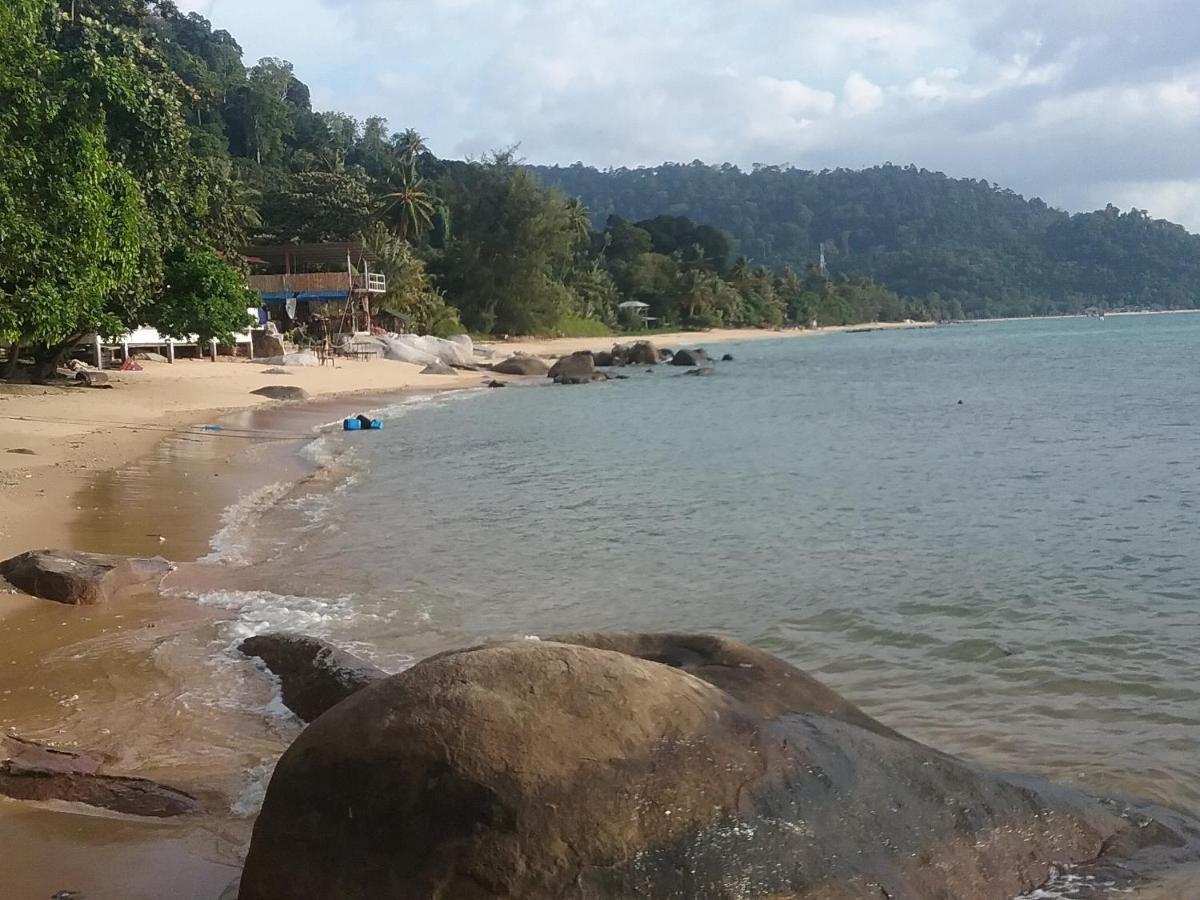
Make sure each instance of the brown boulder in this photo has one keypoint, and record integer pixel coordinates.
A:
(522, 364)
(79, 579)
(642, 353)
(32, 771)
(315, 675)
(642, 766)
(580, 364)
(265, 344)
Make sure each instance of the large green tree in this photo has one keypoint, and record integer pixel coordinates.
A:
(97, 182)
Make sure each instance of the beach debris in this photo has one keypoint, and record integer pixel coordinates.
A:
(667, 766)
(80, 579)
(691, 358)
(728, 357)
(130, 365)
(33, 771)
(92, 378)
(315, 675)
(150, 356)
(275, 370)
(286, 392)
(362, 423)
(66, 895)
(522, 364)
(438, 368)
(21, 451)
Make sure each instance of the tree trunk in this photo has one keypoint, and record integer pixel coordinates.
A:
(46, 359)
(14, 360)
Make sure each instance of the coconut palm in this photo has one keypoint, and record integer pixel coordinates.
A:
(407, 203)
(577, 218)
(411, 146)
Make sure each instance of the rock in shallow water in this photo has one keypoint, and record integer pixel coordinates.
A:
(315, 675)
(600, 766)
(79, 579)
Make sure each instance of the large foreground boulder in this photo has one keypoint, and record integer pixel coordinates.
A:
(630, 766)
(315, 675)
(80, 579)
(640, 353)
(32, 771)
(522, 364)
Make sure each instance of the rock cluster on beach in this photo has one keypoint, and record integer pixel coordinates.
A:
(603, 766)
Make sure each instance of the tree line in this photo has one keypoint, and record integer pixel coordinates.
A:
(961, 248)
(139, 152)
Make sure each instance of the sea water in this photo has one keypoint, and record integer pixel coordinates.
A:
(984, 535)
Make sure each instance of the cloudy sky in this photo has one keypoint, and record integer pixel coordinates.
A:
(1082, 102)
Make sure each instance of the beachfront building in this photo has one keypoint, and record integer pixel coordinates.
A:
(327, 285)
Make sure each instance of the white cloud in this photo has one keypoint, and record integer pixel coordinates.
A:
(1066, 100)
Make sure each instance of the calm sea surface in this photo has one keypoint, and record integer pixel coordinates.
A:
(1013, 577)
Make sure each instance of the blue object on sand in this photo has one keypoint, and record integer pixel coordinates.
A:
(362, 423)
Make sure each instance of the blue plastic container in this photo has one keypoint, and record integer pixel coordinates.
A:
(351, 425)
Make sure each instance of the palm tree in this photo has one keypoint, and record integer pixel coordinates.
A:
(410, 145)
(408, 203)
(578, 220)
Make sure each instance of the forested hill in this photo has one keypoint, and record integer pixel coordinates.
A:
(915, 231)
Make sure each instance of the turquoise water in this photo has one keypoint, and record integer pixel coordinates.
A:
(1013, 578)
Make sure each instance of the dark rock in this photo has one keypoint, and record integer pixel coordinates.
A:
(265, 345)
(92, 379)
(665, 355)
(651, 766)
(21, 451)
(604, 358)
(79, 579)
(690, 358)
(581, 379)
(703, 370)
(439, 368)
(276, 371)
(728, 357)
(521, 364)
(31, 771)
(314, 674)
(282, 392)
(579, 365)
(640, 353)
(496, 384)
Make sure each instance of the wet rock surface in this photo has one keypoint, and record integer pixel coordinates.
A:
(32, 771)
(635, 765)
(314, 674)
(80, 579)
